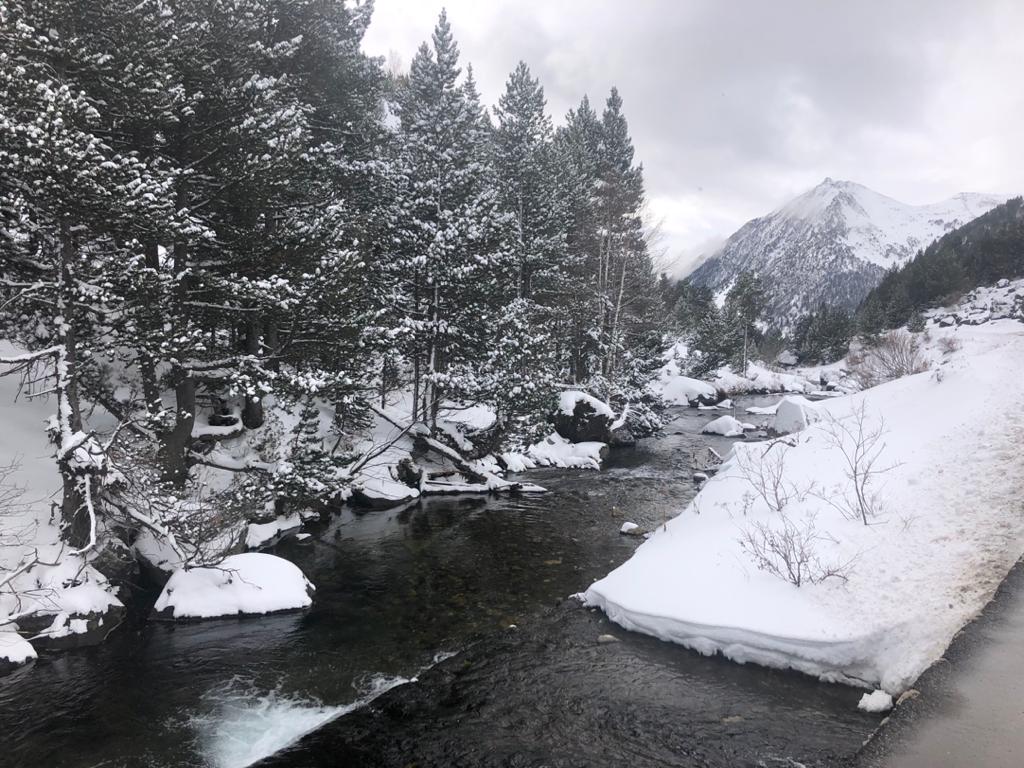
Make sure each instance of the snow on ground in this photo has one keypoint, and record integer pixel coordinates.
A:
(249, 584)
(948, 527)
(761, 379)
(676, 388)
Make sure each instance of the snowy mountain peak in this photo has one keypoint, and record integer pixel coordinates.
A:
(833, 243)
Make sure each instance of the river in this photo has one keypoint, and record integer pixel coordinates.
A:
(468, 594)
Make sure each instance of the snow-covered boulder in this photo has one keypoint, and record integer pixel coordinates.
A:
(249, 584)
(14, 651)
(557, 451)
(787, 358)
(683, 390)
(582, 418)
(794, 414)
(262, 534)
(727, 426)
(62, 601)
(379, 492)
(876, 701)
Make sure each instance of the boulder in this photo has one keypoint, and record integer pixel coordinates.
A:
(15, 651)
(795, 413)
(63, 631)
(786, 358)
(583, 419)
(250, 584)
(727, 426)
(622, 437)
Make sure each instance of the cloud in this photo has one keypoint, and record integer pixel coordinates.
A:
(736, 107)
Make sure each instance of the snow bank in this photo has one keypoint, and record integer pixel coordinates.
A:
(250, 583)
(795, 413)
(759, 379)
(947, 530)
(727, 426)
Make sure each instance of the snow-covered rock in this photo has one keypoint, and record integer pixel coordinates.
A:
(683, 390)
(14, 651)
(945, 532)
(252, 583)
(876, 701)
(582, 418)
(727, 426)
(556, 451)
(629, 529)
(260, 534)
(793, 414)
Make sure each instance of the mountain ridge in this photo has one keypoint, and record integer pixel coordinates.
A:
(833, 244)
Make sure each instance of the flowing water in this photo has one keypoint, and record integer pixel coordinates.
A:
(431, 591)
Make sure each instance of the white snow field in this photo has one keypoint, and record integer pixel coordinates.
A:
(252, 583)
(947, 525)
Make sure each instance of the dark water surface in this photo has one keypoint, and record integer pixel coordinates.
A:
(398, 592)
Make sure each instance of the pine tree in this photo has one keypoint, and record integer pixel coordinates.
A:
(452, 256)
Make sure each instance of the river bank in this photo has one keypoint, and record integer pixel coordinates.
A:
(397, 591)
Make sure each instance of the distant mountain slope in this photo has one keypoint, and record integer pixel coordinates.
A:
(833, 244)
(981, 252)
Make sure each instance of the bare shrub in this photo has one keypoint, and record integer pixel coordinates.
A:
(896, 354)
(766, 475)
(949, 344)
(861, 444)
(788, 549)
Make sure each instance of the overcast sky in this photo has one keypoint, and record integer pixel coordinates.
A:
(735, 107)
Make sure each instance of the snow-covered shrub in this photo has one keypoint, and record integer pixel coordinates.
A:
(787, 548)
(860, 441)
(949, 344)
(765, 472)
(894, 355)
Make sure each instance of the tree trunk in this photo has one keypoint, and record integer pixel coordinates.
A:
(178, 441)
(147, 365)
(75, 522)
(252, 409)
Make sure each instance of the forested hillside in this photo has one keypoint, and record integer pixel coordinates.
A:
(208, 208)
(979, 253)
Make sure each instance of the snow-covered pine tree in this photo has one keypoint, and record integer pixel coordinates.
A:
(615, 323)
(451, 258)
(67, 200)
